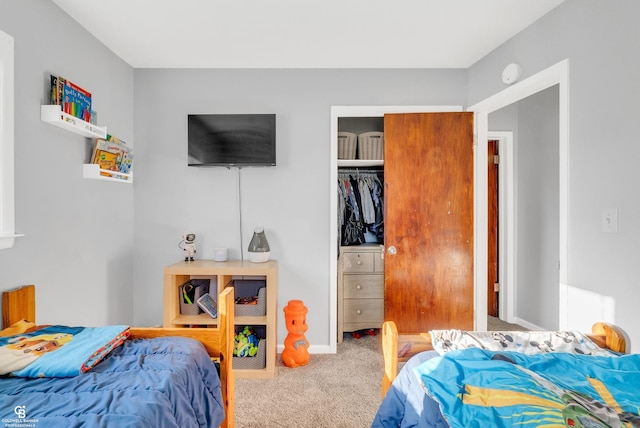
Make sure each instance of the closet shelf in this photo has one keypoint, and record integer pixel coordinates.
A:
(359, 163)
(54, 115)
(92, 170)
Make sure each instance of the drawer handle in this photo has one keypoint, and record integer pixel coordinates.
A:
(359, 311)
(359, 262)
(358, 287)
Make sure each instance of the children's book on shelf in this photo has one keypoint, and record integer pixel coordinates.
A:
(76, 101)
(107, 160)
(57, 88)
(113, 154)
(53, 98)
(73, 99)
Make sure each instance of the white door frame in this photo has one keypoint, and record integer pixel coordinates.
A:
(557, 74)
(7, 187)
(506, 224)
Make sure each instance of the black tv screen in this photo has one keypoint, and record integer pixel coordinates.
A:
(231, 140)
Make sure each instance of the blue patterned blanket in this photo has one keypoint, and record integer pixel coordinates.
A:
(58, 351)
(478, 388)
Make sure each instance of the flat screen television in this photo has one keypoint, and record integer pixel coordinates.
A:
(231, 140)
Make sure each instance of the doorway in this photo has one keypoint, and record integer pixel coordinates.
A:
(493, 249)
(506, 235)
(554, 75)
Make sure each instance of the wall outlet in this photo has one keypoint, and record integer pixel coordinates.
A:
(610, 220)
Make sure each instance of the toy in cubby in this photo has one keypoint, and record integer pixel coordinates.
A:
(245, 343)
(249, 350)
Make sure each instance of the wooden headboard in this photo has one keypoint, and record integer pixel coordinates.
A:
(18, 304)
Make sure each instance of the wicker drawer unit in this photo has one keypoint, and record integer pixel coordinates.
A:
(360, 288)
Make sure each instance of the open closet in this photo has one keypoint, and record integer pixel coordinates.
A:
(360, 199)
(421, 274)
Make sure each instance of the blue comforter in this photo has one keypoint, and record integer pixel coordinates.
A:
(165, 382)
(476, 387)
(406, 405)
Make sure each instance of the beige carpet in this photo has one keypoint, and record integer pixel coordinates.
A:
(496, 324)
(339, 390)
(331, 391)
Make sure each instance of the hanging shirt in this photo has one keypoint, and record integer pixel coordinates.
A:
(366, 202)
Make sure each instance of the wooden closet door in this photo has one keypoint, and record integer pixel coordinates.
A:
(428, 179)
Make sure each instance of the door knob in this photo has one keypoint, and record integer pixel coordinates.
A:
(392, 250)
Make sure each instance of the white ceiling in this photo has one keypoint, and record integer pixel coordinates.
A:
(302, 33)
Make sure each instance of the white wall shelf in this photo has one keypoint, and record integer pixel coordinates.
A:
(92, 170)
(53, 115)
(359, 163)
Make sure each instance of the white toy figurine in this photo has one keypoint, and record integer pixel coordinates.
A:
(189, 246)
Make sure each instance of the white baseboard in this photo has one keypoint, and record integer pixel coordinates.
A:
(527, 324)
(313, 349)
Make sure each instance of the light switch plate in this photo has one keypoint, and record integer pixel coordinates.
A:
(610, 220)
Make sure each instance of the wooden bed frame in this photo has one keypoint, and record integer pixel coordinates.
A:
(398, 348)
(19, 304)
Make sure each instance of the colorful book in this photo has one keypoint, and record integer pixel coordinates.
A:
(73, 99)
(76, 101)
(107, 160)
(114, 154)
(53, 98)
(60, 84)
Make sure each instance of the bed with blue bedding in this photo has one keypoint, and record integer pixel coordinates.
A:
(162, 382)
(504, 379)
(116, 376)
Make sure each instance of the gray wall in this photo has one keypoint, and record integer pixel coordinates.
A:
(291, 200)
(80, 234)
(78, 243)
(537, 220)
(600, 39)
